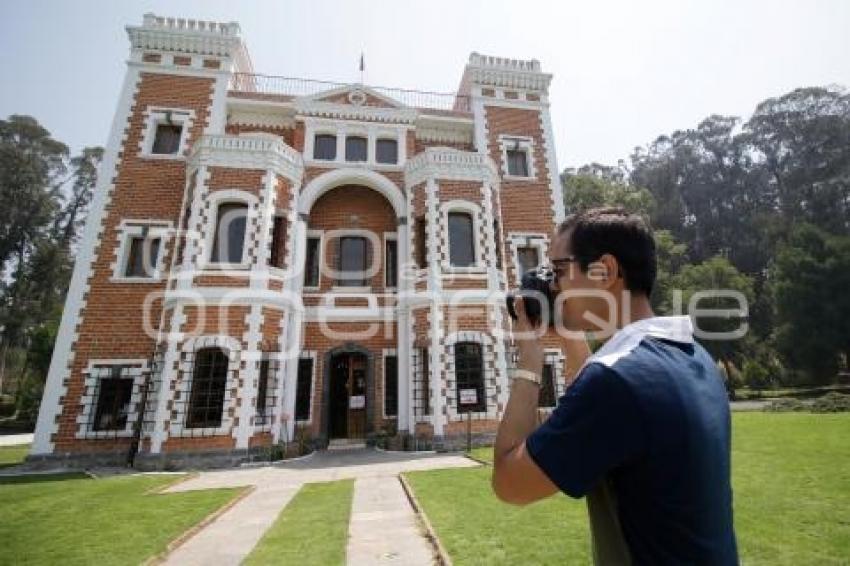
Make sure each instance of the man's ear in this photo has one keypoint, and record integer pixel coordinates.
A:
(604, 271)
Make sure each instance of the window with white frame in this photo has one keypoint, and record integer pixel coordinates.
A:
(324, 147)
(391, 261)
(229, 238)
(312, 260)
(209, 380)
(517, 156)
(140, 251)
(528, 257)
(386, 151)
(356, 148)
(166, 132)
(461, 239)
(469, 377)
(528, 251)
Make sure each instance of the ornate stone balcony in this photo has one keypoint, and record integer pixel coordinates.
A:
(248, 151)
(451, 164)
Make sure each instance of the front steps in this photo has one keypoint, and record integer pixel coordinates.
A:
(346, 444)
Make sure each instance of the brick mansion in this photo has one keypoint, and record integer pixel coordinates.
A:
(271, 261)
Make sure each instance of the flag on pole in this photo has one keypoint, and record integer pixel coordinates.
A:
(362, 62)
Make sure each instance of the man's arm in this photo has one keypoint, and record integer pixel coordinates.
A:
(516, 477)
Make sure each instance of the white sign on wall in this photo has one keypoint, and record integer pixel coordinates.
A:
(356, 401)
(468, 396)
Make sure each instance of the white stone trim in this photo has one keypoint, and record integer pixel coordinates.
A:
(137, 371)
(129, 229)
(558, 206)
(450, 164)
(524, 144)
(250, 150)
(156, 115)
(352, 176)
(55, 389)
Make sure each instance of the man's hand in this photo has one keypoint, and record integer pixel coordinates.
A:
(516, 477)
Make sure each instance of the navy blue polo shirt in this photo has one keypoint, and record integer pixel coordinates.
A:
(647, 422)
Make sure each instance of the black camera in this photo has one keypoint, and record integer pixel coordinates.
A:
(536, 292)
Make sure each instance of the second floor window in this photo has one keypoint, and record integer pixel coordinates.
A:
(278, 248)
(229, 239)
(324, 147)
(311, 263)
(461, 245)
(391, 264)
(353, 261)
(356, 148)
(386, 151)
(166, 140)
(528, 258)
(517, 163)
(142, 257)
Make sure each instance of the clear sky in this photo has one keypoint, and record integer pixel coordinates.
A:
(624, 72)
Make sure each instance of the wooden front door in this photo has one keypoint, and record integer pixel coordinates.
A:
(348, 396)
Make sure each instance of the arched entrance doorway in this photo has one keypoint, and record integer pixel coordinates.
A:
(349, 394)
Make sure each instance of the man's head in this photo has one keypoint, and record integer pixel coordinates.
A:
(603, 255)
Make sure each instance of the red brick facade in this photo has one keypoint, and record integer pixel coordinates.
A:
(223, 343)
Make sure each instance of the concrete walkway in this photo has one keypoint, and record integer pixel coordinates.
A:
(383, 527)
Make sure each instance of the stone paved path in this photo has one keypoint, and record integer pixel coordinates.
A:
(383, 527)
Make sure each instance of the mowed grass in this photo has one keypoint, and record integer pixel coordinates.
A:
(73, 519)
(13, 455)
(311, 529)
(791, 481)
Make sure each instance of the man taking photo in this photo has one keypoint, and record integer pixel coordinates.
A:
(644, 429)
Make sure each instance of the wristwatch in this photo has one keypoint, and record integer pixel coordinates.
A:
(527, 375)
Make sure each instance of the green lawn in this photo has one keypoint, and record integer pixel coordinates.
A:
(312, 529)
(73, 519)
(791, 479)
(12, 455)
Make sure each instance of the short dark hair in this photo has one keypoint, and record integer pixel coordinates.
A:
(614, 231)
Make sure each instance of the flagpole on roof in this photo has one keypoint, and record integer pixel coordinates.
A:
(362, 66)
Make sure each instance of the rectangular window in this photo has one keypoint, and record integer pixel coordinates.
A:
(469, 373)
(113, 402)
(262, 388)
(209, 388)
(421, 243)
(352, 261)
(426, 382)
(391, 264)
(356, 148)
(546, 396)
(497, 235)
(229, 237)
(142, 256)
(461, 245)
(303, 390)
(386, 151)
(278, 250)
(324, 147)
(528, 258)
(391, 386)
(166, 140)
(311, 263)
(517, 163)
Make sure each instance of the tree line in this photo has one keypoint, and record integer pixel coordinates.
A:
(44, 196)
(760, 206)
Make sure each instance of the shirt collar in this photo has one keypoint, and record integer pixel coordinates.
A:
(673, 328)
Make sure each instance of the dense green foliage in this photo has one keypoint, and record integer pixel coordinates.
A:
(761, 207)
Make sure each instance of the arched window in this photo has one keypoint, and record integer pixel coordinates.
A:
(229, 238)
(469, 377)
(461, 244)
(209, 380)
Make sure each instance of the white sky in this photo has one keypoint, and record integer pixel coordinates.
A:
(624, 72)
